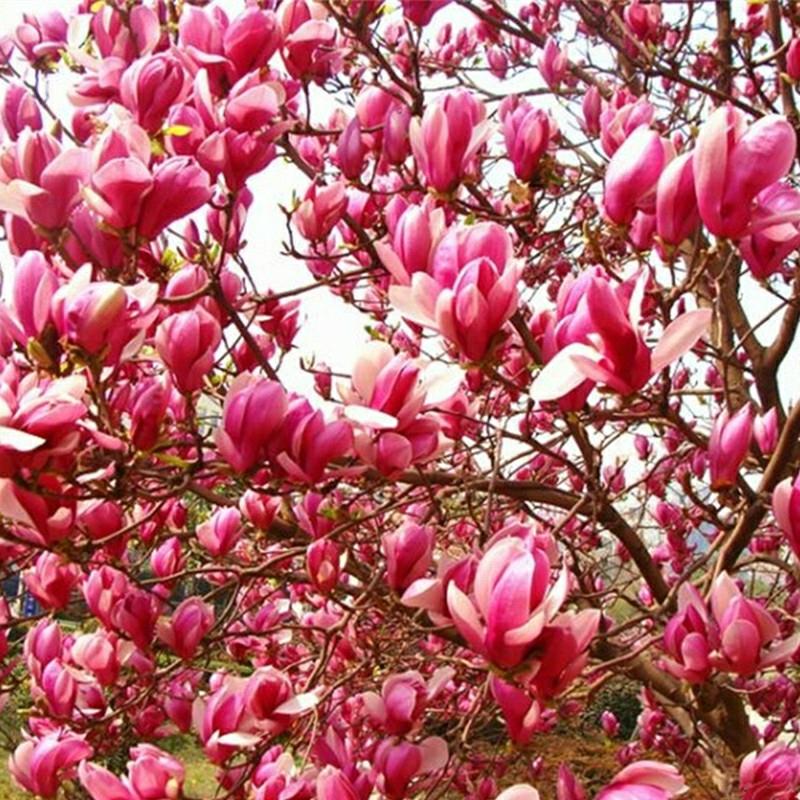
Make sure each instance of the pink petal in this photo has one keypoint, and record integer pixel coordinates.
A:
(562, 374)
(680, 336)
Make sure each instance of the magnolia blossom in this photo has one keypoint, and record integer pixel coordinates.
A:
(513, 600)
(737, 635)
(786, 508)
(597, 336)
(728, 445)
(447, 137)
(732, 163)
(409, 554)
(399, 764)
(770, 774)
(387, 399)
(403, 698)
(633, 173)
(40, 764)
(470, 291)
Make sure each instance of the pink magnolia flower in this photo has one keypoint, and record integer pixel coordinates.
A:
(399, 764)
(786, 508)
(320, 210)
(236, 155)
(387, 399)
(591, 107)
(200, 35)
(793, 59)
(620, 119)
(148, 409)
(351, 150)
(609, 723)
(47, 183)
(259, 510)
(151, 86)
(467, 301)
(125, 38)
(101, 784)
(422, 13)
(118, 190)
(765, 431)
(527, 132)
(43, 644)
(19, 111)
(167, 559)
(774, 230)
(521, 712)
(220, 533)
(58, 688)
(254, 408)
(97, 653)
(396, 140)
(644, 779)
(37, 421)
(737, 636)
(308, 444)
(254, 107)
(309, 41)
(41, 35)
(596, 336)
(374, 106)
(152, 775)
(553, 63)
(333, 784)
(51, 580)
(512, 603)
(240, 710)
(728, 445)
(120, 606)
(733, 162)
(447, 138)
(409, 554)
(322, 564)
(187, 342)
(403, 699)
(35, 283)
(431, 593)
(104, 318)
(180, 186)
(633, 174)
(677, 216)
(187, 627)
(103, 589)
(567, 785)
(770, 774)
(126, 194)
(251, 39)
(44, 517)
(40, 764)
(562, 651)
(643, 19)
(415, 233)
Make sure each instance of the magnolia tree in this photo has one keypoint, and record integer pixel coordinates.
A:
(565, 454)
